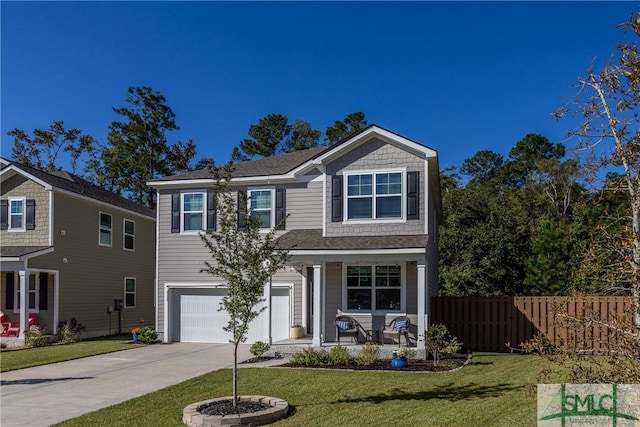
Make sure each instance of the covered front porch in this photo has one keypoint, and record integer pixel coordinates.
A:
(30, 295)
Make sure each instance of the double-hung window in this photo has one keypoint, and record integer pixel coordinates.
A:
(374, 287)
(192, 211)
(261, 205)
(32, 294)
(105, 229)
(129, 235)
(129, 292)
(374, 195)
(17, 214)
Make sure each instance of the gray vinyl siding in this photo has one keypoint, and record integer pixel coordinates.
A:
(374, 155)
(19, 186)
(333, 298)
(92, 276)
(304, 206)
(287, 276)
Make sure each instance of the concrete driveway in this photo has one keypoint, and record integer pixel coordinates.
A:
(49, 394)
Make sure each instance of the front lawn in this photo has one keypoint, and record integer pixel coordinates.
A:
(494, 390)
(19, 359)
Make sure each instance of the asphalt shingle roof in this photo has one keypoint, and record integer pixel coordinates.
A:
(313, 240)
(18, 251)
(67, 181)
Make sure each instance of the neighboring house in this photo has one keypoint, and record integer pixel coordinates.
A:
(71, 249)
(362, 232)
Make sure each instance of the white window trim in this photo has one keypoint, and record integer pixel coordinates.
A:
(23, 224)
(16, 293)
(374, 220)
(373, 265)
(204, 211)
(272, 209)
(125, 234)
(135, 292)
(100, 229)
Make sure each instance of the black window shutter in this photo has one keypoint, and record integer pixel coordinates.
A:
(211, 210)
(4, 214)
(44, 291)
(8, 296)
(30, 222)
(242, 207)
(175, 213)
(281, 205)
(336, 198)
(413, 195)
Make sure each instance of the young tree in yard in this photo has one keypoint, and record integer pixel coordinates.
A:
(243, 257)
(41, 150)
(608, 103)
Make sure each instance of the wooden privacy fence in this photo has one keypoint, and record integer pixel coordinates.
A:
(488, 323)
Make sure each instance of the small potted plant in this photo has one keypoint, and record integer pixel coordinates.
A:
(399, 358)
(296, 332)
(135, 332)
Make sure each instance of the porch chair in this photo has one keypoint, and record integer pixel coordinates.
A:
(397, 328)
(347, 326)
(14, 328)
(4, 324)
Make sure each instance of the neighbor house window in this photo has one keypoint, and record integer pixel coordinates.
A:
(16, 215)
(192, 211)
(129, 235)
(375, 195)
(32, 296)
(129, 292)
(261, 207)
(105, 229)
(374, 287)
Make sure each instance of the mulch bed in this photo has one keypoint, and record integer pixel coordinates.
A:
(415, 365)
(225, 407)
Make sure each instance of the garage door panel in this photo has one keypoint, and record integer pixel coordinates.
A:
(197, 318)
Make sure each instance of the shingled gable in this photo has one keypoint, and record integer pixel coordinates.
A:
(66, 181)
(286, 163)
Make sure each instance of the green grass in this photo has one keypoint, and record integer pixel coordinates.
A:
(19, 359)
(494, 390)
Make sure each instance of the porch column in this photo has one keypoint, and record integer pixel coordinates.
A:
(317, 304)
(56, 301)
(305, 299)
(24, 302)
(268, 300)
(422, 301)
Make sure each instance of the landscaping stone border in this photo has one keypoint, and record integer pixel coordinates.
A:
(279, 408)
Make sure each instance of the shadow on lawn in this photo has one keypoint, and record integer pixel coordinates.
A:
(446, 392)
(40, 380)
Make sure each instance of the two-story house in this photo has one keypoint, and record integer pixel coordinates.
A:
(72, 249)
(361, 230)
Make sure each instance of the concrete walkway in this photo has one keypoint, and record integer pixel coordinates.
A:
(49, 394)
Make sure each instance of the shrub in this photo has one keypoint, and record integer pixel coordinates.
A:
(147, 335)
(311, 357)
(258, 348)
(37, 336)
(340, 355)
(69, 331)
(438, 342)
(368, 354)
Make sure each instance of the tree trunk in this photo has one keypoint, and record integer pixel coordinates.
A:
(235, 374)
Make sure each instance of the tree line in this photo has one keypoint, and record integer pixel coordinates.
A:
(137, 148)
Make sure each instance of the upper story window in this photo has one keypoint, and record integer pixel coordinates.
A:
(129, 235)
(375, 195)
(105, 229)
(17, 214)
(192, 211)
(261, 204)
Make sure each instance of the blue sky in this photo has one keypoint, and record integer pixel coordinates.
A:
(456, 76)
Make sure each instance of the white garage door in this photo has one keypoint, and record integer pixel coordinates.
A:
(197, 319)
